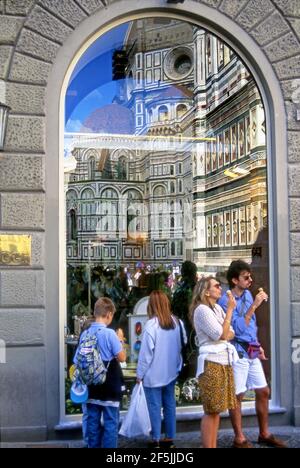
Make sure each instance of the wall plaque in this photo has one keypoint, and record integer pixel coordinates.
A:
(15, 250)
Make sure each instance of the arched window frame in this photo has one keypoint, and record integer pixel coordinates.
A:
(181, 110)
(273, 138)
(163, 113)
(72, 225)
(108, 221)
(159, 191)
(91, 168)
(173, 249)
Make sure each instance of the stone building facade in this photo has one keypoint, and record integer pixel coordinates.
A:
(38, 42)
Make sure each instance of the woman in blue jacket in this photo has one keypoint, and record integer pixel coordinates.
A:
(159, 364)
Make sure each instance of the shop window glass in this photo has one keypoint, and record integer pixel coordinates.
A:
(124, 209)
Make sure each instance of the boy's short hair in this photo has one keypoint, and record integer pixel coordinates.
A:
(235, 269)
(103, 307)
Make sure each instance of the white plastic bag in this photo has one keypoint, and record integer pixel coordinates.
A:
(137, 420)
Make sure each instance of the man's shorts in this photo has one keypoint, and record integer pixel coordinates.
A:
(248, 375)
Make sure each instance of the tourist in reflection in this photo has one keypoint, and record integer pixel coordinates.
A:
(158, 366)
(184, 291)
(216, 355)
(248, 370)
(136, 277)
(121, 281)
(181, 302)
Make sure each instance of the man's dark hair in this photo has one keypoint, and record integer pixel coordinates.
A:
(189, 272)
(235, 269)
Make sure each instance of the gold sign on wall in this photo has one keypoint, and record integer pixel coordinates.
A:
(15, 250)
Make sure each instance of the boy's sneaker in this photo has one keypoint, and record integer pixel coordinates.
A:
(154, 444)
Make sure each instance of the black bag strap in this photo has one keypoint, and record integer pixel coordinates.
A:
(181, 333)
(243, 344)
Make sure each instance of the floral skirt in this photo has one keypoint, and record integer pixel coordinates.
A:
(217, 388)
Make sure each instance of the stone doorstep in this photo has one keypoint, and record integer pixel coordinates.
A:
(47, 446)
(44, 445)
(184, 440)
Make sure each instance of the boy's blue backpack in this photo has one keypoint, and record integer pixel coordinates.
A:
(90, 368)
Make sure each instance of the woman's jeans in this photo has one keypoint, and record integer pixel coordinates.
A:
(106, 435)
(157, 398)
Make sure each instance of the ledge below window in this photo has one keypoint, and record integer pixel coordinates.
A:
(183, 414)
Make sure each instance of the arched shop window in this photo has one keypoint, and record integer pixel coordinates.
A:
(134, 127)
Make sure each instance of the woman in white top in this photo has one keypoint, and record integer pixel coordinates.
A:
(216, 355)
(159, 364)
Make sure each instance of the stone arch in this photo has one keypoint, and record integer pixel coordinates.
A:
(114, 192)
(134, 194)
(87, 193)
(124, 152)
(163, 113)
(159, 190)
(40, 61)
(71, 194)
(89, 153)
(181, 110)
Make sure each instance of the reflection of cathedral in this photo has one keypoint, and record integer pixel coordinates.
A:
(180, 169)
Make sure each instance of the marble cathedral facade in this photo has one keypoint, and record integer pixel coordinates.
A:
(185, 178)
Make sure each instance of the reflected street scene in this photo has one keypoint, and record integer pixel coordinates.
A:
(165, 174)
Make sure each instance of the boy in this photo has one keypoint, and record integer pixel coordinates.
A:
(104, 400)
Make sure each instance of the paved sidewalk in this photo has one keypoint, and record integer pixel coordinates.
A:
(290, 435)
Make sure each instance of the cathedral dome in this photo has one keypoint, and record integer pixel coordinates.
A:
(111, 119)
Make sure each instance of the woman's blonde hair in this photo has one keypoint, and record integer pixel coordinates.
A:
(199, 296)
(159, 306)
